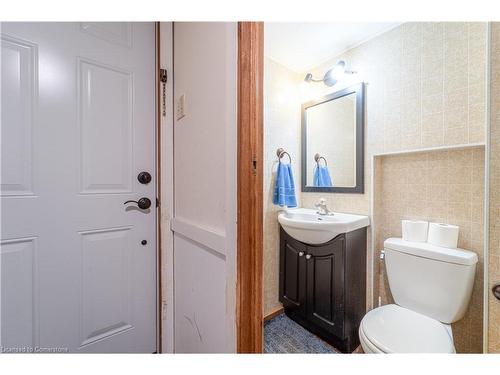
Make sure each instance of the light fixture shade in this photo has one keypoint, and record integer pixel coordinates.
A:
(332, 76)
(339, 68)
(329, 79)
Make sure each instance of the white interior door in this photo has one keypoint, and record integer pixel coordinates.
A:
(78, 266)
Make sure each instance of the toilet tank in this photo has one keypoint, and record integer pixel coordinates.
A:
(432, 280)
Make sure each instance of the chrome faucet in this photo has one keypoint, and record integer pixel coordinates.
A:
(322, 208)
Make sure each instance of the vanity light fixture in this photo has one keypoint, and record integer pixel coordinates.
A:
(332, 76)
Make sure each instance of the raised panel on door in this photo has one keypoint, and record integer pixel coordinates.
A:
(18, 288)
(292, 273)
(119, 33)
(105, 107)
(325, 283)
(106, 293)
(19, 96)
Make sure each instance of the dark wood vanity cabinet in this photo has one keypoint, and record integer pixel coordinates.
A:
(323, 287)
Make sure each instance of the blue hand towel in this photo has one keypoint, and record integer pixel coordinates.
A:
(284, 190)
(322, 177)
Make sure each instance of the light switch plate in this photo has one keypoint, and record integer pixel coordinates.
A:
(180, 109)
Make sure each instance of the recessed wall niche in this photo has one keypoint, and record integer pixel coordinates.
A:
(441, 186)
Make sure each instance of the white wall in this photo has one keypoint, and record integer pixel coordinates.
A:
(204, 222)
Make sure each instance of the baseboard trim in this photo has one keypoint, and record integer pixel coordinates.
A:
(274, 313)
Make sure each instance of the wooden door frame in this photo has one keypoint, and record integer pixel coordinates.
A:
(249, 313)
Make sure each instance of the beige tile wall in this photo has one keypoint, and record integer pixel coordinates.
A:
(441, 186)
(494, 214)
(425, 87)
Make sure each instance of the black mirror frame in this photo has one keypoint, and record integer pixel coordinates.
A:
(359, 90)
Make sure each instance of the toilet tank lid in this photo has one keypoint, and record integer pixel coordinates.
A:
(427, 250)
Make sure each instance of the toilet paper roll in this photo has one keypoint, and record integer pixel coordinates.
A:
(445, 235)
(414, 230)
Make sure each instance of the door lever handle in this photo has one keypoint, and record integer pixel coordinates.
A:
(143, 203)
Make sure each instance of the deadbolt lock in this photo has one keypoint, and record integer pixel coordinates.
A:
(144, 178)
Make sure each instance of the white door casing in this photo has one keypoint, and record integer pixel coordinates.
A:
(77, 126)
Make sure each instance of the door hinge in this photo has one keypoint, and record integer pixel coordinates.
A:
(157, 202)
(163, 80)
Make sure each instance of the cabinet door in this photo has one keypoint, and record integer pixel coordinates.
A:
(292, 273)
(325, 285)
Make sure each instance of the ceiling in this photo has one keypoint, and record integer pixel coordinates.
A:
(301, 46)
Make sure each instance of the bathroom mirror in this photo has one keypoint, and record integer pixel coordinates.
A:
(332, 142)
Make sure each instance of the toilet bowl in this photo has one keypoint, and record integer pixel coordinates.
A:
(431, 287)
(395, 329)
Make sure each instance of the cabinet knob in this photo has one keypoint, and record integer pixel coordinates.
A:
(301, 253)
(308, 256)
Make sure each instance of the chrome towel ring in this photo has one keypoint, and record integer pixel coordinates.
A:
(281, 153)
(317, 159)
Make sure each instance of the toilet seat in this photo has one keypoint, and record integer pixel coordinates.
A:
(395, 329)
(367, 346)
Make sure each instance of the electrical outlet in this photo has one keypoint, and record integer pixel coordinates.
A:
(181, 107)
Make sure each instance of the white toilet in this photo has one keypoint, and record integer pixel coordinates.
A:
(431, 286)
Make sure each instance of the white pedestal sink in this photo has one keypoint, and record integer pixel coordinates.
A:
(305, 225)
